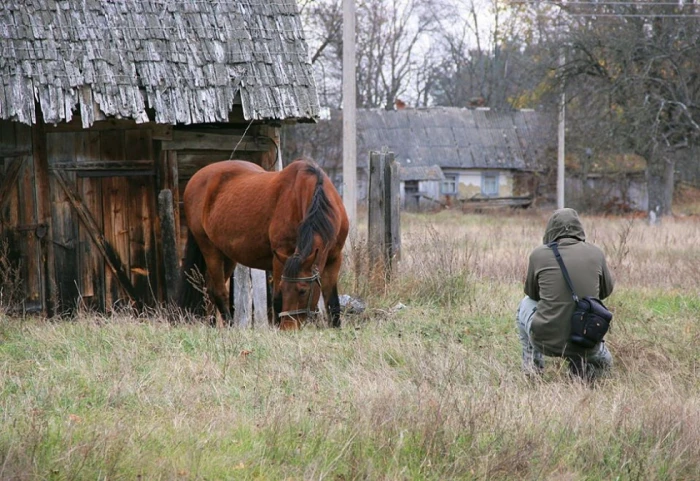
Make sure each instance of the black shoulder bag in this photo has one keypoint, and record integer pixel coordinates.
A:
(591, 319)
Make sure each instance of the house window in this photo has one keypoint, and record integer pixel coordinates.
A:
(411, 187)
(489, 184)
(449, 185)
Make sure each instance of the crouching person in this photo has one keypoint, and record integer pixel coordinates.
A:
(544, 315)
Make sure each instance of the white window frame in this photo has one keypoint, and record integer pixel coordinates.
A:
(449, 185)
(489, 175)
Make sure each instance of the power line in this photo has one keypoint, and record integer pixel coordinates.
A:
(605, 3)
(571, 7)
(634, 15)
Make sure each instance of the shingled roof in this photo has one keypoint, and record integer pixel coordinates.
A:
(457, 137)
(186, 60)
(449, 137)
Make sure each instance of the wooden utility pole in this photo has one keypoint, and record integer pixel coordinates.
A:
(561, 153)
(349, 108)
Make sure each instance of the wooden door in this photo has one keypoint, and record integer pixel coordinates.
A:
(104, 218)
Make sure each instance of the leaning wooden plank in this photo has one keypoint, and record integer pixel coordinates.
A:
(10, 178)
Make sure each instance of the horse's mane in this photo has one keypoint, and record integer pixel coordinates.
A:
(318, 220)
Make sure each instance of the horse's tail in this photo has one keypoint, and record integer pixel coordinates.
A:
(192, 284)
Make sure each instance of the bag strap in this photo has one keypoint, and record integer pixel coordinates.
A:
(557, 255)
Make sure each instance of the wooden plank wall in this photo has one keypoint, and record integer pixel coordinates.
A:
(18, 215)
(80, 206)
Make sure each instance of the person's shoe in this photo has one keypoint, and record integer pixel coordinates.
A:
(579, 369)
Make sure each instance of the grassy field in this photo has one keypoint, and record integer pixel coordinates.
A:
(424, 385)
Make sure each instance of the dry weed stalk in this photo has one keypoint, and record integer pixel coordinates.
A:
(11, 284)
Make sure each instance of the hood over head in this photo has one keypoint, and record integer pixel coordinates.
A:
(564, 223)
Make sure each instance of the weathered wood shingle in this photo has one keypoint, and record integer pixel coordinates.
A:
(187, 60)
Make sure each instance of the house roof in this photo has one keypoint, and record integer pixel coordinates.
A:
(457, 137)
(187, 60)
(431, 172)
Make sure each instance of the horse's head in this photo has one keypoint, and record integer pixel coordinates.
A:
(299, 290)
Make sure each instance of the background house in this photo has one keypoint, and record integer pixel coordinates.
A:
(481, 153)
(105, 106)
(611, 183)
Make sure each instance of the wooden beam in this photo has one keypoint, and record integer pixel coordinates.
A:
(128, 165)
(188, 140)
(111, 256)
(76, 125)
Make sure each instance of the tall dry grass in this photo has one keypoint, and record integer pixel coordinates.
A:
(425, 384)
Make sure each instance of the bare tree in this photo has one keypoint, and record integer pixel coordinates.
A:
(323, 26)
(642, 59)
(393, 45)
(494, 53)
(393, 37)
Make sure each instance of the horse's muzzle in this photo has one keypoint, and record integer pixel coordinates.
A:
(290, 324)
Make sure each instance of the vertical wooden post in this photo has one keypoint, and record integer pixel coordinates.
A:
(168, 234)
(173, 183)
(392, 212)
(169, 219)
(376, 235)
(243, 300)
(384, 234)
(43, 203)
(349, 115)
(260, 302)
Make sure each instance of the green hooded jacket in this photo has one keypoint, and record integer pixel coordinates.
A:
(551, 324)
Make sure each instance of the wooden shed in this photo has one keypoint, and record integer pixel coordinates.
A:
(107, 107)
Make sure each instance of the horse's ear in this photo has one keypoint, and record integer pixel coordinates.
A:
(280, 257)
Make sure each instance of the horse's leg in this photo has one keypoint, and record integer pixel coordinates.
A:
(277, 307)
(329, 280)
(216, 280)
(229, 266)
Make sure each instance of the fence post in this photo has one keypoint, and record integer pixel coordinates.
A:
(383, 232)
(392, 209)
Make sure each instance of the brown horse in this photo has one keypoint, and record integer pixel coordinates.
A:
(291, 222)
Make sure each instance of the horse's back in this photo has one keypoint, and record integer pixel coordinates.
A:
(211, 179)
(225, 167)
